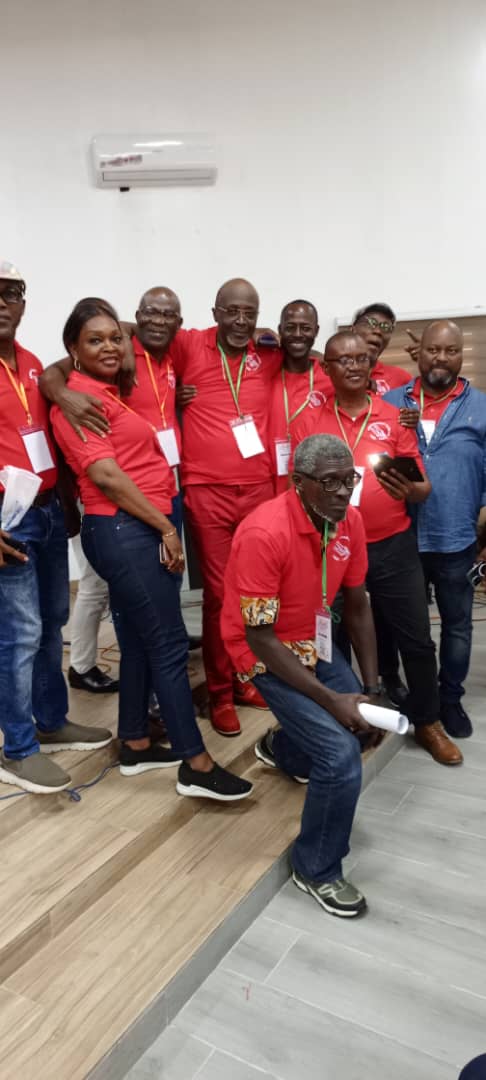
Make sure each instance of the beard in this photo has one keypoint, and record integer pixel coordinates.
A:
(439, 378)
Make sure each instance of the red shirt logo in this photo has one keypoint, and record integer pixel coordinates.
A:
(34, 375)
(316, 399)
(253, 362)
(379, 431)
(382, 386)
(171, 380)
(341, 549)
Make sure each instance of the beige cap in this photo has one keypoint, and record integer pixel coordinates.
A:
(9, 272)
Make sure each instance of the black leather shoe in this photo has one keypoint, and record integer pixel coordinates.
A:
(94, 680)
(395, 691)
(455, 720)
(194, 643)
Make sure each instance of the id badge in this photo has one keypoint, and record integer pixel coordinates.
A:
(37, 449)
(247, 438)
(282, 453)
(168, 445)
(356, 496)
(428, 427)
(323, 635)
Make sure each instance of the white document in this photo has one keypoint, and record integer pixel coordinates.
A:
(282, 454)
(247, 438)
(168, 445)
(324, 636)
(356, 496)
(428, 427)
(37, 448)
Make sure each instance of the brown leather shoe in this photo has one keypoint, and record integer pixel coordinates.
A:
(432, 737)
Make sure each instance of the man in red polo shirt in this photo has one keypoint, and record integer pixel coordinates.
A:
(34, 586)
(276, 626)
(300, 384)
(395, 581)
(375, 324)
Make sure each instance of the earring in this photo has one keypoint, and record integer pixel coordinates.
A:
(77, 365)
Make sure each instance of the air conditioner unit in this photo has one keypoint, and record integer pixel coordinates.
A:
(125, 161)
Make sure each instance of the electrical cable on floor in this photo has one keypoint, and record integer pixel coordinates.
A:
(72, 793)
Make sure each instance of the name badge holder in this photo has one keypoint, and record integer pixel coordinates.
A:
(243, 427)
(357, 491)
(428, 428)
(323, 624)
(168, 444)
(283, 449)
(37, 448)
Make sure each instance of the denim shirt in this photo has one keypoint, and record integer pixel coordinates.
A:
(455, 463)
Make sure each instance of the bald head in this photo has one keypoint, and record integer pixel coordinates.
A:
(235, 311)
(440, 355)
(158, 319)
(337, 345)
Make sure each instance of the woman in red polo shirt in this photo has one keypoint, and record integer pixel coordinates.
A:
(126, 487)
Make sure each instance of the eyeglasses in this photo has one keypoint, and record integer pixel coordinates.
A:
(331, 484)
(375, 324)
(12, 294)
(158, 313)
(249, 314)
(350, 361)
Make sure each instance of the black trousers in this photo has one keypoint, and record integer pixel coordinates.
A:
(397, 591)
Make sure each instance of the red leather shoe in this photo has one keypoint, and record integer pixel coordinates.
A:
(224, 718)
(247, 694)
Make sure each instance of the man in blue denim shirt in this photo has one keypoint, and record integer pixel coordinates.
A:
(452, 439)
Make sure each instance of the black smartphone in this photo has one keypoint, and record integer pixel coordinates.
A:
(405, 465)
(19, 545)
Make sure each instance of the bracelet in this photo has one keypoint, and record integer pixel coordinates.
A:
(372, 690)
(172, 533)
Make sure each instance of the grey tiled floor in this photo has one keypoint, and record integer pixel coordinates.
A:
(397, 995)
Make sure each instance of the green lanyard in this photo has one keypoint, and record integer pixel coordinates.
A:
(363, 425)
(435, 401)
(235, 393)
(325, 538)
(290, 419)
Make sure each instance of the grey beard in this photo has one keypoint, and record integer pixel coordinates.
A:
(315, 509)
(440, 377)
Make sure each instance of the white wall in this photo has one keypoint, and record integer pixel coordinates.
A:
(351, 143)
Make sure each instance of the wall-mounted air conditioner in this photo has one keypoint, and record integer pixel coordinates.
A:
(125, 161)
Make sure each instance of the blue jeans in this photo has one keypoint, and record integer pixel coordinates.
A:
(153, 640)
(454, 596)
(312, 743)
(34, 604)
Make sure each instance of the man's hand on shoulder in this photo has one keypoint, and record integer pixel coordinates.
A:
(83, 410)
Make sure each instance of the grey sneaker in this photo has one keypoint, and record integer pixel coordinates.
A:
(337, 897)
(73, 737)
(264, 753)
(35, 773)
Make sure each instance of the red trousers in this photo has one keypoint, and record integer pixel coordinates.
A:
(213, 514)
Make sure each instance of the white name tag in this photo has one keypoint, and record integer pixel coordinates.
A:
(37, 447)
(282, 454)
(247, 438)
(428, 427)
(168, 445)
(356, 496)
(323, 636)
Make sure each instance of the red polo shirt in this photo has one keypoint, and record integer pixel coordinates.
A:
(157, 406)
(298, 393)
(132, 443)
(13, 417)
(270, 549)
(382, 515)
(434, 409)
(387, 377)
(210, 454)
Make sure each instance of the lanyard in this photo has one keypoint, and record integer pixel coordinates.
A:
(362, 428)
(290, 419)
(325, 538)
(19, 390)
(435, 401)
(155, 388)
(129, 409)
(235, 392)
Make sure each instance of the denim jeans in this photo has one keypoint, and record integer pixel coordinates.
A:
(153, 640)
(454, 595)
(312, 743)
(34, 602)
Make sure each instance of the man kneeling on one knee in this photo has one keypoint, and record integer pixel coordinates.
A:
(288, 560)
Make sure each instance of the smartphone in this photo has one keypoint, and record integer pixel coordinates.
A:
(19, 545)
(405, 465)
(476, 574)
(164, 554)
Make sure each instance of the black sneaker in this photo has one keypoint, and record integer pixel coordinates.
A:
(338, 897)
(133, 762)
(217, 784)
(94, 681)
(264, 753)
(455, 720)
(396, 692)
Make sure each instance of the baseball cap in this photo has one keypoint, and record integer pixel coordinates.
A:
(9, 272)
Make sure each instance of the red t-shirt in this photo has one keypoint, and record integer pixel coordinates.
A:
(270, 550)
(298, 393)
(143, 398)
(132, 443)
(434, 409)
(387, 377)
(382, 515)
(210, 454)
(14, 419)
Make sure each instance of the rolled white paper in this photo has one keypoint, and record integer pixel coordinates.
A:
(387, 719)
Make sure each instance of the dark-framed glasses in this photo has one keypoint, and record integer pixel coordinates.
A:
(331, 484)
(350, 361)
(375, 324)
(234, 312)
(12, 294)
